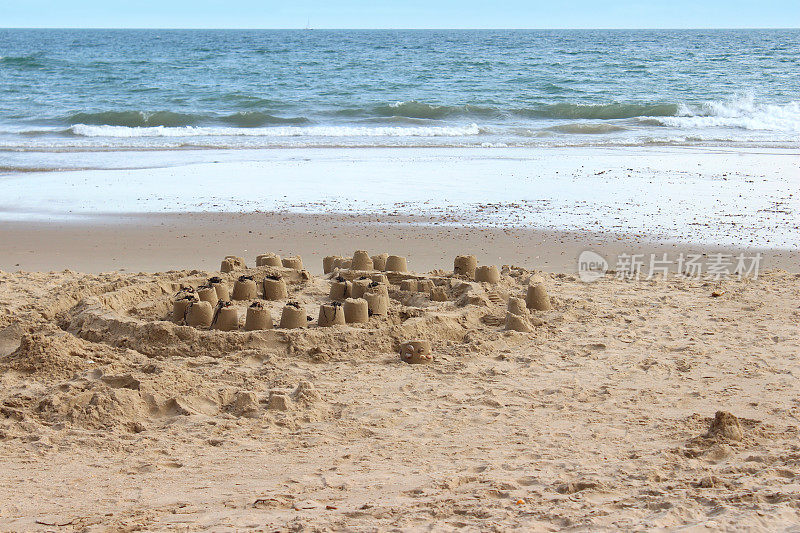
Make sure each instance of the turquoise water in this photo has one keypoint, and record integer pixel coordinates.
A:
(71, 90)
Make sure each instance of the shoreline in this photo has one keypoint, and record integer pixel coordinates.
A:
(174, 241)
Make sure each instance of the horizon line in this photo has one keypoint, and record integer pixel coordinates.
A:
(390, 29)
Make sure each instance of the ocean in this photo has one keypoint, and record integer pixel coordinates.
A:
(92, 90)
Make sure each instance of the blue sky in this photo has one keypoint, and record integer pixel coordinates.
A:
(401, 14)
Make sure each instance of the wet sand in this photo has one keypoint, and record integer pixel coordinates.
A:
(157, 242)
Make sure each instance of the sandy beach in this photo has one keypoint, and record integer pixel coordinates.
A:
(634, 402)
(258, 273)
(601, 417)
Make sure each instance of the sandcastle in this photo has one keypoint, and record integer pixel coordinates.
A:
(207, 293)
(438, 294)
(269, 260)
(396, 263)
(331, 315)
(369, 301)
(416, 352)
(537, 297)
(465, 265)
(329, 263)
(379, 262)
(180, 305)
(425, 285)
(274, 288)
(360, 286)
(340, 289)
(487, 274)
(295, 263)
(231, 263)
(221, 287)
(361, 261)
(517, 316)
(409, 285)
(199, 315)
(377, 301)
(245, 288)
(356, 311)
(293, 316)
(258, 318)
(226, 317)
(725, 425)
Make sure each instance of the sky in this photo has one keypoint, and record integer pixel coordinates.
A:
(400, 14)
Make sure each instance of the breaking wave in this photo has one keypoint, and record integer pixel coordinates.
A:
(740, 113)
(85, 130)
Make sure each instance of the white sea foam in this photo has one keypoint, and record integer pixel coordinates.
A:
(84, 130)
(740, 113)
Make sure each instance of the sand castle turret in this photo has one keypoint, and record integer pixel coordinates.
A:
(208, 294)
(180, 305)
(293, 316)
(274, 288)
(517, 306)
(340, 289)
(537, 297)
(465, 265)
(377, 301)
(409, 285)
(396, 263)
(379, 262)
(269, 260)
(295, 262)
(517, 316)
(425, 285)
(361, 261)
(359, 287)
(245, 288)
(356, 311)
(231, 263)
(487, 274)
(199, 315)
(223, 293)
(257, 318)
(379, 278)
(329, 263)
(330, 315)
(226, 317)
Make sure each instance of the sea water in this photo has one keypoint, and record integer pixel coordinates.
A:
(92, 90)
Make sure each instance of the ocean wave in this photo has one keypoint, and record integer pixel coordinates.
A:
(740, 113)
(171, 119)
(30, 61)
(134, 119)
(586, 129)
(598, 112)
(564, 110)
(85, 130)
(253, 119)
(420, 110)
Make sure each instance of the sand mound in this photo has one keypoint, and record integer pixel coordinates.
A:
(726, 426)
(52, 354)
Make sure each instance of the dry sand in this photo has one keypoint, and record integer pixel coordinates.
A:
(603, 417)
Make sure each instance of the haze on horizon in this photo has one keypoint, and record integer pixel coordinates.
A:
(412, 14)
